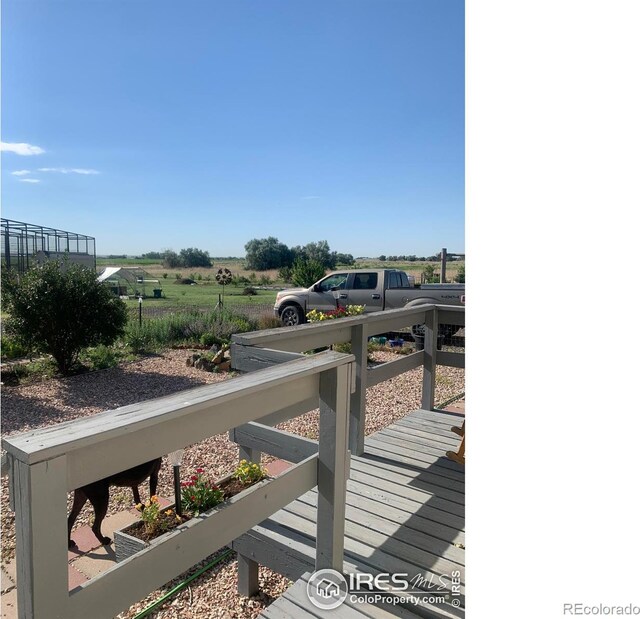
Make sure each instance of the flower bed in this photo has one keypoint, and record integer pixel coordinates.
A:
(200, 498)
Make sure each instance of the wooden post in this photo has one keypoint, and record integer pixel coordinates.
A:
(40, 497)
(443, 266)
(333, 467)
(359, 397)
(430, 352)
(247, 567)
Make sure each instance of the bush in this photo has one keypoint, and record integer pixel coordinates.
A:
(60, 309)
(103, 357)
(306, 272)
(12, 349)
(249, 291)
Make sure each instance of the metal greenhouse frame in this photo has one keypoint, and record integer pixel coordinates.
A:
(24, 245)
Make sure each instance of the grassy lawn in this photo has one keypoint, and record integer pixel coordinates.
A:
(203, 294)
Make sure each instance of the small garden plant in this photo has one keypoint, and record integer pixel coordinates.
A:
(248, 473)
(200, 494)
(156, 520)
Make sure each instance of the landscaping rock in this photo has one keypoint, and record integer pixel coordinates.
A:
(191, 359)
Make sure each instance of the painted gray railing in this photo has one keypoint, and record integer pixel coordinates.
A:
(43, 465)
(261, 349)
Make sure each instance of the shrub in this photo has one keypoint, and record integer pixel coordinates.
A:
(12, 348)
(164, 275)
(178, 275)
(249, 291)
(285, 274)
(239, 280)
(306, 272)
(103, 357)
(460, 275)
(61, 309)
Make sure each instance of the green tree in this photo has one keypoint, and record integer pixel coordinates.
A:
(460, 275)
(60, 309)
(345, 259)
(193, 257)
(269, 253)
(171, 260)
(306, 272)
(320, 252)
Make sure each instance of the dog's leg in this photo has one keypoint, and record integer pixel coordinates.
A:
(100, 501)
(79, 499)
(153, 480)
(136, 495)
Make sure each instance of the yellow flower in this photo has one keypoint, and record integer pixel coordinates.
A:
(139, 507)
(168, 512)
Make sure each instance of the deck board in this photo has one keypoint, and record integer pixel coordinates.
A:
(404, 514)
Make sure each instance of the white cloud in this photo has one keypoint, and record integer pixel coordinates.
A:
(20, 148)
(69, 170)
(21, 172)
(310, 197)
(29, 180)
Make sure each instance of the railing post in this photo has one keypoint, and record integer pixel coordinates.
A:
(247, 567)
(357, 414)
(429, 364)
(333, 467)
(40, 497)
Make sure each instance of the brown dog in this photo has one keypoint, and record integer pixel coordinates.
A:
(98, 494)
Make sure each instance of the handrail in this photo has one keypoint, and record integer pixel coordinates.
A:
(44, 464)
(273, 346)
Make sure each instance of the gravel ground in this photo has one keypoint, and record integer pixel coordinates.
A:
(212, 594)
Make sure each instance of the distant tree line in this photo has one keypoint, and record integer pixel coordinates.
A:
(189, 257)
(413, 258)
(270, 253)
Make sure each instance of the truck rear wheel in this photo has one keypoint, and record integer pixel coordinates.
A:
(291, 316)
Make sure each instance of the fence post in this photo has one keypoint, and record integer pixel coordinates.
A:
(429, 363)
(443, 266)
(358, 406)
(333, 467)
(40, 496)
(247, 567)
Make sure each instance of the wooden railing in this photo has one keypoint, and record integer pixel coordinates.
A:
(45, 464)
(261, 349)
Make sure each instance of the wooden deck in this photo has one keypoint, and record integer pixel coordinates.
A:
(404, 514)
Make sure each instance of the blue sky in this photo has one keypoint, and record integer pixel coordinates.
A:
(154, 125)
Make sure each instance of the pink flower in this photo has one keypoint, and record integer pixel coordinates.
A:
(199, 470)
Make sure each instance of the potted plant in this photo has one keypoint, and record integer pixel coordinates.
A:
(200, 498)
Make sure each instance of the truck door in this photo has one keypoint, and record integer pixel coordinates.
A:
(328, 293)
(364, 290)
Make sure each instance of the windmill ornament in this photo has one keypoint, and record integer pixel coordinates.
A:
(223, 277)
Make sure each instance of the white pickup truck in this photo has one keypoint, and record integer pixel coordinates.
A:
(376, 289)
